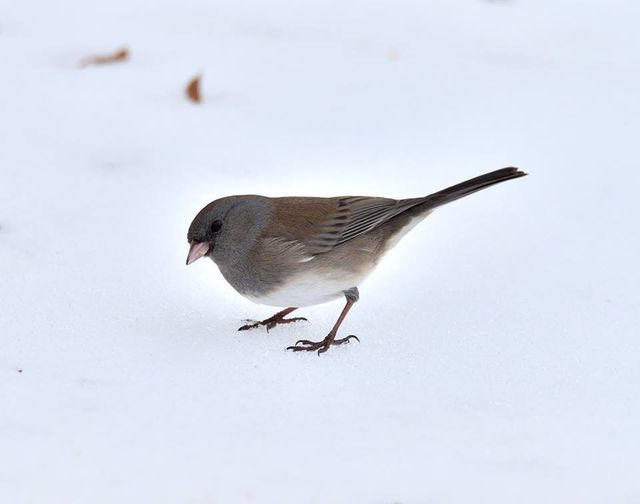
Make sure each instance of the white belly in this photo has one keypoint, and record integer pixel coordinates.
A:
(309, 288)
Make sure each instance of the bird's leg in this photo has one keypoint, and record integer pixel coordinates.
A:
(352, 296)
(271, 322)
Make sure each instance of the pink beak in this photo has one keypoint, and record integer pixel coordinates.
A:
(197, 250)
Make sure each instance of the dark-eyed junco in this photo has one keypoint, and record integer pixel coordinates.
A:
(299, 251)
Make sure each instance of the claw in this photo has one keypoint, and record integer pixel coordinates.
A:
(330, 339)
(249, 326)
(346, 340)
(269, 323)
(298, 348)
(320, 346)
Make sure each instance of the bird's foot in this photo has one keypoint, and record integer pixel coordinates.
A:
(271, 322)
(320, 346)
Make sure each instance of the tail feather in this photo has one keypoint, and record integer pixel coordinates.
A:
(470, 186)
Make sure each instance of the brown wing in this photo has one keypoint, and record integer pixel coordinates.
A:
(319, 224)
(310, 226)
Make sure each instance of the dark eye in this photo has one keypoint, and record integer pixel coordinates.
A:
(216, 226)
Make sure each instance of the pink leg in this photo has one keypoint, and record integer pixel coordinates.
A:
(330, 339)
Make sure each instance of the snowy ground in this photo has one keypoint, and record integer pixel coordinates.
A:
(500, 354)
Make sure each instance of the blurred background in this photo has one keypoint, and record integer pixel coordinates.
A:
(499, 357)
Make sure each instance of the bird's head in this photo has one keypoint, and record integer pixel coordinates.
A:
(225, 227)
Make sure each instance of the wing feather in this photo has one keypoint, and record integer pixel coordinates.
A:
(354, 217)
(304, 227)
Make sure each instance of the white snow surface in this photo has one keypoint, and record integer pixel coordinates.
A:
(500, 351)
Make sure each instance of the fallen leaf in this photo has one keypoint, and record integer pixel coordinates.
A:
(193, 89)
(120, 55)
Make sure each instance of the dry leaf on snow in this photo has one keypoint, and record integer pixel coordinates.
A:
(120, 55)
(193, 89)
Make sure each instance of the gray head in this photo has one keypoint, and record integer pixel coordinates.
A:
(225, 230)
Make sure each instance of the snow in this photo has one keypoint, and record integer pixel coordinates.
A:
(499, 358)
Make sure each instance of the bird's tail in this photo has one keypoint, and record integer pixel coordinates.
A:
(470, 186)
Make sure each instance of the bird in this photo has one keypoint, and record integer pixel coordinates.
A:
(295, 252)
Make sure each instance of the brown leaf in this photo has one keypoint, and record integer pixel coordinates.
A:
(193, 89)
(102, 59)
